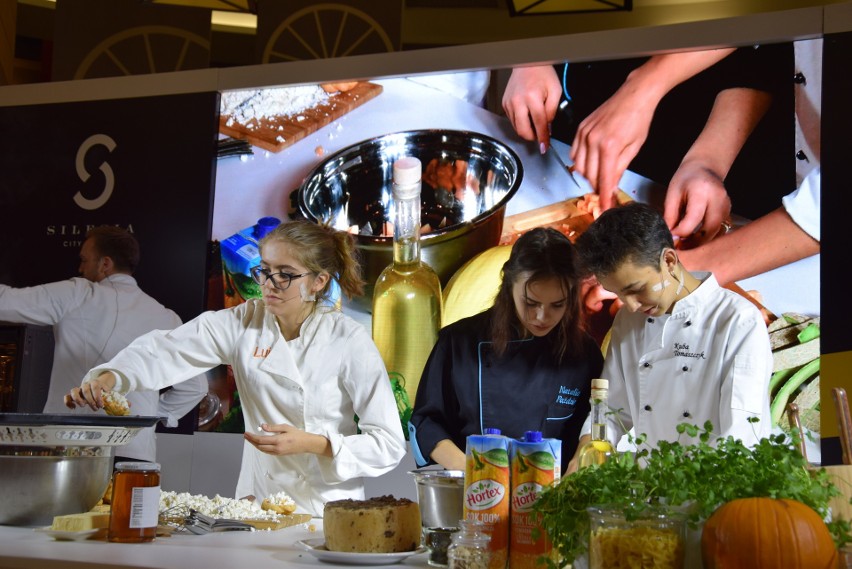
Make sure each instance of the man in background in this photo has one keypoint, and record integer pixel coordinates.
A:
(93, 318)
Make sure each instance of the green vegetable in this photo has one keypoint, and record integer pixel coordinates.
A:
(697, 477)
(780, 377)
(796, 380)
(810, 332)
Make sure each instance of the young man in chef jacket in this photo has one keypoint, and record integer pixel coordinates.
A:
(96, 315)
(682, 348)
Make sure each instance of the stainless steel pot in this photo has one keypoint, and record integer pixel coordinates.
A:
(440, 495)
(468, 178)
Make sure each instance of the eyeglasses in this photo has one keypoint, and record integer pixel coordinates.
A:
(281, 281)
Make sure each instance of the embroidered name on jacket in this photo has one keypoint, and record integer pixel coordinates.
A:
(682, 350)
(567, 396)
(261, 352)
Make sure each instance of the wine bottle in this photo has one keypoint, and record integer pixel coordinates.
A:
(598, 449)
(407, 302)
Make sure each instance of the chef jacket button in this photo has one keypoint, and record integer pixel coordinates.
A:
(686, 413)
(650, 320)
(646, 364)
(688, 323)
(800, 79)
(800, 155)
(685, 368)
(647, 408)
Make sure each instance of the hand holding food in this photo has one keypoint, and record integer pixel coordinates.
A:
(91, 393)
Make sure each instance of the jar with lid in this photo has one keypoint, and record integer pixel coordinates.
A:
(469, 549)
(135, 504)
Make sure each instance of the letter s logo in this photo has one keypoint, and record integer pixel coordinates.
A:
(95, 140)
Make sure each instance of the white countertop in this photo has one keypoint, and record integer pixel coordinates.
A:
(30, 549)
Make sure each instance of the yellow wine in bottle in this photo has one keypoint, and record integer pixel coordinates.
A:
(598, 450)
(407, 302)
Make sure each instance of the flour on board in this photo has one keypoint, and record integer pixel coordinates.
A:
(247, 108)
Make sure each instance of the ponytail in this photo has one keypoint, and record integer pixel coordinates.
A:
(321, 248)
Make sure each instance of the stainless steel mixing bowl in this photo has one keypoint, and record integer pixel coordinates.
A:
(41, 482)
(57, 464)
(467, 179)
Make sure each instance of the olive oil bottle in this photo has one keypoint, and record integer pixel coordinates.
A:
(599, 449)
(407, 302)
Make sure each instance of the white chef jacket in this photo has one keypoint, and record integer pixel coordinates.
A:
(317, 382)
(803, 205)
(709, 360)
(91, 323)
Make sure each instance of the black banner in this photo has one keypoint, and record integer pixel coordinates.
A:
(146, 164)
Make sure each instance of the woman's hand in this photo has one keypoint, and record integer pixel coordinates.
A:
(530, 101)
(91, 392)
(286, 439)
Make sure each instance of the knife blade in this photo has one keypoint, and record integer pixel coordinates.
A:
(844, 421)
(569, 169)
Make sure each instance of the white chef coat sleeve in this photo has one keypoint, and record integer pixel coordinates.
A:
(745, 389)
(45, 304)
(182, 398)
(803, 205)
(162, 358)
(380, 446)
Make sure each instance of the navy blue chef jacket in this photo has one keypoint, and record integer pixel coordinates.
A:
(466, 388)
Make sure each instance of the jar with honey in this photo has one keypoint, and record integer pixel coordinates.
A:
(135, 502)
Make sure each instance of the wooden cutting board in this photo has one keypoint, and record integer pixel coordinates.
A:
(290, 129)
(283, 522)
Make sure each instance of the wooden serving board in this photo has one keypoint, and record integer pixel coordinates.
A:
(266, 133)
(283, 522)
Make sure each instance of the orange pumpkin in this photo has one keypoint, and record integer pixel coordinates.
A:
(765, 533)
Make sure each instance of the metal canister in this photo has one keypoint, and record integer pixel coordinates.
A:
(135, 502)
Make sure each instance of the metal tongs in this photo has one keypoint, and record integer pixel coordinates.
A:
(201, 524)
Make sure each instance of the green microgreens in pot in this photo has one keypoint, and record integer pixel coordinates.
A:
(695, 479)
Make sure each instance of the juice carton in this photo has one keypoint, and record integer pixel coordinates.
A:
(535, 465)
(486, 490)
(239, 254)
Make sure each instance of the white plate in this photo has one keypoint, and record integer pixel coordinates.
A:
(60, 535)
(316, 547)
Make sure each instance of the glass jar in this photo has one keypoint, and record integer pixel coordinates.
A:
(135, 505)
(469, 549)
(657, 536)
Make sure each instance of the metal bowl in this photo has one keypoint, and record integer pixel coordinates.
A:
(42, 482)
(440, 495)
(467, 179)
(55, 464)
